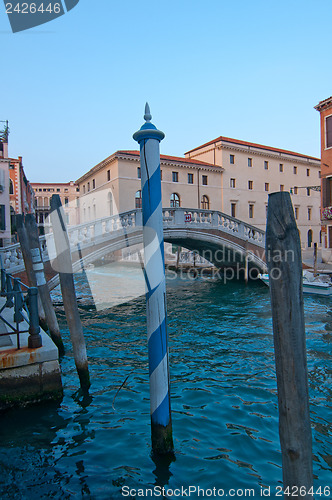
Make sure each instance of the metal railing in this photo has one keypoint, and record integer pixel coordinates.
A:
(24, 300)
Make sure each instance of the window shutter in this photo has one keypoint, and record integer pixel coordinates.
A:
(2, 217)
(329, 131)
(325, 192)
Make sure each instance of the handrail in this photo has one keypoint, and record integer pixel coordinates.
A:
(100, 229)
(12, 289)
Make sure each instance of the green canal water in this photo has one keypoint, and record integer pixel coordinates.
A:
(224, 403)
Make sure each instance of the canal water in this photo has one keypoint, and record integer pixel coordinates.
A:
(224, 403)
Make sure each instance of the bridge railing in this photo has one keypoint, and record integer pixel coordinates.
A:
(213, 219)
(96, 231)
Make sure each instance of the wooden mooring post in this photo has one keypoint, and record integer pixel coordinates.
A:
(65, 270)
(39, 272)
(149, 138)
(28, 264)
(283, 251)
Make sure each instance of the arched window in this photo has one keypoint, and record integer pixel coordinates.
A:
(309, 238)
(175, 200)
(46, 202)
(110, 203)
(205, 202)
(138, 199)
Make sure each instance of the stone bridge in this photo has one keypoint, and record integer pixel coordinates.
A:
(219, 238)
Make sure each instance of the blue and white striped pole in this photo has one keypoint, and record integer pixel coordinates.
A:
(149, 138)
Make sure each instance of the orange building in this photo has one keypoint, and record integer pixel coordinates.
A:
(325, 109)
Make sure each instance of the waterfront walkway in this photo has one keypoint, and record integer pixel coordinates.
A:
(26, 374)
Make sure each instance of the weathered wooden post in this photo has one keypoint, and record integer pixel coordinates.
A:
(283, 250)
(246, 263)
(65, 269)
(39, 272)
(149, 138)
(28, 264)
(34, 339)
(315, 259)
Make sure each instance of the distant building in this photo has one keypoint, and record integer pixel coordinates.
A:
(252, 171)
(325, 110)
(69, 196)
(20, 190)
(5, 226)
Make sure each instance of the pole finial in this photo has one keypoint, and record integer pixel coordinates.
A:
(147, 114)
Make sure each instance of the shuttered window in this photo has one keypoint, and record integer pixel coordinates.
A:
(329, 132)
(2, 217)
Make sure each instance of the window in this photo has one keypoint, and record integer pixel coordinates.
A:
(296, 213)
(308, 172)
(233, 209)
(175, 199)
(175, 176)
(308, 191)
(266, 165)
(88, 188)
(328, 128)
(93, 183)
(281, 167)
(66, 190)
(267, 186)
(205, 202)
(11, 187)
(250, 184)
(249, 162)
(138, 199)
(281, 187)
(309, 213)
(231, 159)
(2, 217)
(204, 180)
(58, 189)
(190, 178)
(138, 172)
(108, 175)
(295, 190)
(232, 183)
(83, 189)
(294, 170)
(66, 201)
(251, 211)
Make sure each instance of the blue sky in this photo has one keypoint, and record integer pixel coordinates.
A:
(74, 89)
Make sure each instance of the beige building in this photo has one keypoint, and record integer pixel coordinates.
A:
(114, 186)
(69, 195)
(228, 175)
(252, 171)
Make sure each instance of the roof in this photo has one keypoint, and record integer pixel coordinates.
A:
(136, 155)
(178, 159)
(252, 145)
(327, 103)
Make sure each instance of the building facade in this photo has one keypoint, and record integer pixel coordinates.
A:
(5, 226)
(325, 110)
(114, 186)
(69, 196)
(252, 171)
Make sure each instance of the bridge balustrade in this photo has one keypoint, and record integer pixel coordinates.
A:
(94, 232)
